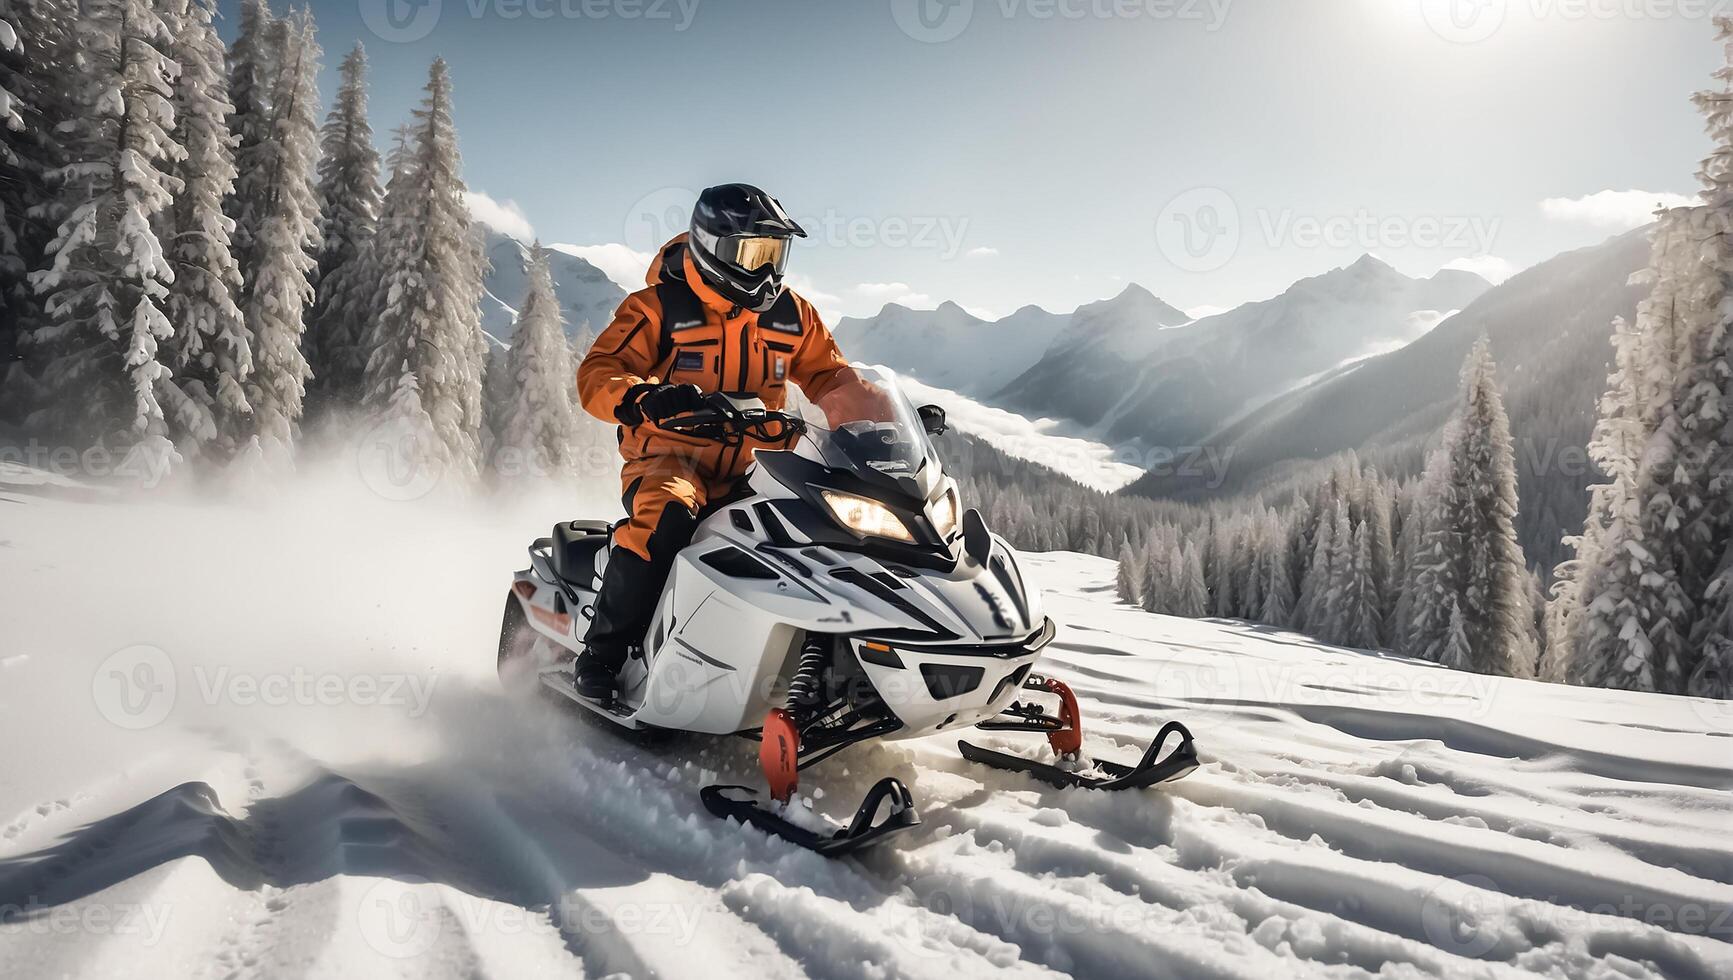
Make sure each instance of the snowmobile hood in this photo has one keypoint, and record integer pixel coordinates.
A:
(673, 263)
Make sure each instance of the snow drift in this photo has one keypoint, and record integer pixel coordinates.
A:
(264, 739)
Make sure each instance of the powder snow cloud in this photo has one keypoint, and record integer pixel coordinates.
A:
(624, 265)
(1610, 209)
(504, 217)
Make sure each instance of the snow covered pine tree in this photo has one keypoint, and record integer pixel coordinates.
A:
(538, 426)
(350, 196)
(104, 290)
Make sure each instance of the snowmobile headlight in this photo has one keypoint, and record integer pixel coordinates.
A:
(945, 514)
(866, 516)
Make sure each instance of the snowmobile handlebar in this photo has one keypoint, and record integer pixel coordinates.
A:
(729, 421)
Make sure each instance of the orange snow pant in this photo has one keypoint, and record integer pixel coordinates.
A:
(664, 494)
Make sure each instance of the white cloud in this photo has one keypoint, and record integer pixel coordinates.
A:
(1489, 267)
(504, 217)
(828, 304)
(982, 252)
(880, 290)
(619, 263)
(900, 293)
(1615, 210)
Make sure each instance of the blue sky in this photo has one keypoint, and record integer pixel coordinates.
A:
(1005, 152)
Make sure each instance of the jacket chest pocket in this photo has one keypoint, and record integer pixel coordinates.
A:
(694, 359)
(774, 360)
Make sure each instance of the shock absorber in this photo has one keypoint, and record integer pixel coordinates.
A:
(804, 694)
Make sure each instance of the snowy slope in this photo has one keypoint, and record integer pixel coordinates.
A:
(950, 347)
(292, 813)
(1172, 387)
(1550, 328)
(1057, 444)
(586, 294)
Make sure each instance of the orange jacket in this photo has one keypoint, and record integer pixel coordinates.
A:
(680, 331)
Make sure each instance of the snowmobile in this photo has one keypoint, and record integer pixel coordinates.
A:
(840, 595)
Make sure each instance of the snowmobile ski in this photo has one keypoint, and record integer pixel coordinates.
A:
(742, 803)
(1149, 770)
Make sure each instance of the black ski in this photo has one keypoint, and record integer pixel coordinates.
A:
(1148, 771)
(741, 803)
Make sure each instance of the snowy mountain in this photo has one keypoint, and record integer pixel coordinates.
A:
(586, 295)
(1550, 329)
(951, 348)
(1139, 376)
(262, 792)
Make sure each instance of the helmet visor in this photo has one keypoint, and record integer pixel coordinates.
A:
(753, 254)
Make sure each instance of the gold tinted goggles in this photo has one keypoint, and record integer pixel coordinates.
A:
(752, 254)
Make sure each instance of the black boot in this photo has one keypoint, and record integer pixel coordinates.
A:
(593, 678)
(627, 600)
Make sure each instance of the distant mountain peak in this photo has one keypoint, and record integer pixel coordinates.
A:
(1460, 275)
(1136, 306)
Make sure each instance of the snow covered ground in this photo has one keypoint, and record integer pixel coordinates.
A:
(265, 740)
(1054, 443)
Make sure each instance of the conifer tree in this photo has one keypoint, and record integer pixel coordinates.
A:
(279, 288)
(337, 326)
(427, 321)
(108, 278)
(209, 353)
(537, 432)
(1129, 580)
(34, 102)
(254, 63)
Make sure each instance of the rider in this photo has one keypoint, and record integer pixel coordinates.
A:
(714, 317)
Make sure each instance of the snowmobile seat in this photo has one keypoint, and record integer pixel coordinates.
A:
(575, 545)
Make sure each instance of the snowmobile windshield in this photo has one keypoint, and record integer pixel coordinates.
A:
(866, 425)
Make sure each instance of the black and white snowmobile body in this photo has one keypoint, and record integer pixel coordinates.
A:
(784, 623)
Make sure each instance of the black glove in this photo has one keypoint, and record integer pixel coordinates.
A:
(657, 403)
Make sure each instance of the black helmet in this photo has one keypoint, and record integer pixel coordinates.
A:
(740, 238)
